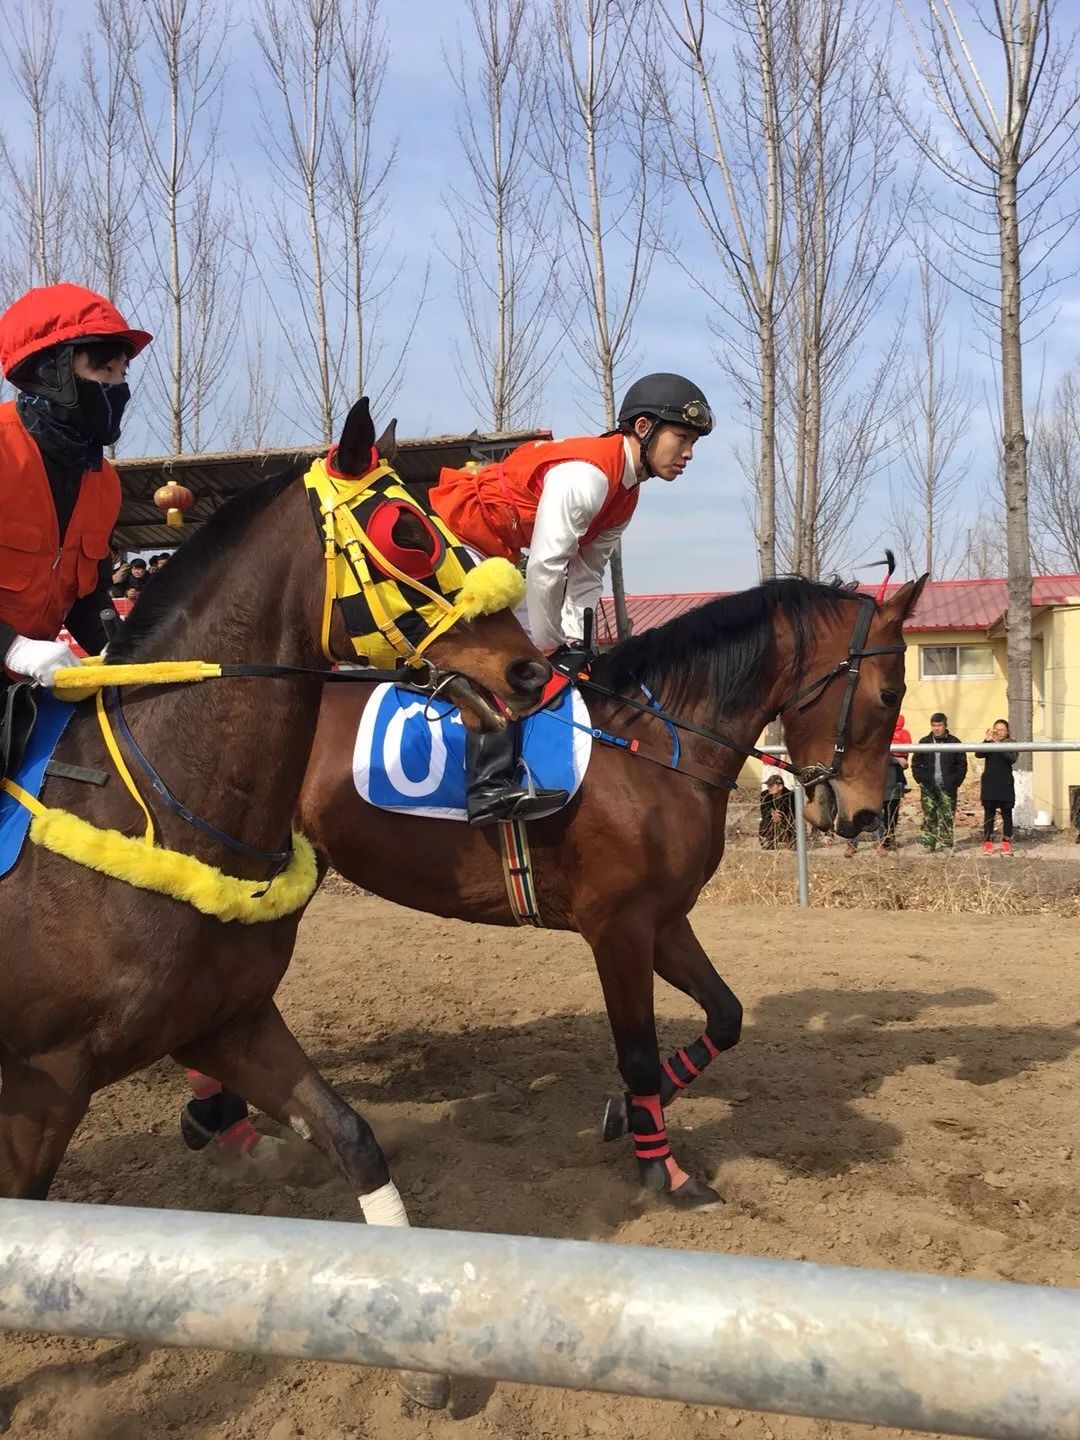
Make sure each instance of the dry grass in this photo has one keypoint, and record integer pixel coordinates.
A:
(950, 885)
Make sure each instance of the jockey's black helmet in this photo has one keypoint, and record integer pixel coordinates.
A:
(670, 398)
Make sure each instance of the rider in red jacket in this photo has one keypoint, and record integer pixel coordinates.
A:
(66, 350)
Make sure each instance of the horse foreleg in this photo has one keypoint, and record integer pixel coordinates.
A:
(625, 966)
(257, 1055)
(680, 960)
(218, 1118)
(42, 1101)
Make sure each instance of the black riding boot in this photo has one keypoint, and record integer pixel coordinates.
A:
(495, 792)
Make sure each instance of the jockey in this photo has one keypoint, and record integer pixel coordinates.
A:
(66, 351)
(566, 502)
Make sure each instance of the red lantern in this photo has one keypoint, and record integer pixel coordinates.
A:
(174, 499)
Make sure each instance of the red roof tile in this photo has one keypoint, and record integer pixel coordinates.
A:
(943, 605)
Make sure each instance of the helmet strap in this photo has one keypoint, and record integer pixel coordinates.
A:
(645, 441)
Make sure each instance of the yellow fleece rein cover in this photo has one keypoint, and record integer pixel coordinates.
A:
(170, 872)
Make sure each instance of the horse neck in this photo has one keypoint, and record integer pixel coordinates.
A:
(235, 751)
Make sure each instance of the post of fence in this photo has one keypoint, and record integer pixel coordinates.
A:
(802, 858)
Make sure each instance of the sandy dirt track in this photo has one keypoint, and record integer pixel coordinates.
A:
(904, 1096)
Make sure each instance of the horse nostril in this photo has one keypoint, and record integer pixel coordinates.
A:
(528, 676)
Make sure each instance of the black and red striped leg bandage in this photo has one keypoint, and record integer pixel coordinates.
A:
(222, 1112)
(650, 1137)
(685, 1066)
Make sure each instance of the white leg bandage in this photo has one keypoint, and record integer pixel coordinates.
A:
(384, 1207)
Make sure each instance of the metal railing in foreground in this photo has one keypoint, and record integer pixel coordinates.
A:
(920, 1352)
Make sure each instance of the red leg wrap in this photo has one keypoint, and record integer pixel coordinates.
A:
(649, 1130)
(686, 1065)
(239, 1139)
(203, 1086)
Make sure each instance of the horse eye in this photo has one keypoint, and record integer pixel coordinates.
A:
(889, 697)
(410, 534)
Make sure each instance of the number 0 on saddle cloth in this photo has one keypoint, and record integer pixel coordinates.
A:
(415, 764)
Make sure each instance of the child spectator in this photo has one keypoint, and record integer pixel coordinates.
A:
(997, 789)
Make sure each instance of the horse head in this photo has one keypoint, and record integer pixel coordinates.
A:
(407, 589)
(840, 724)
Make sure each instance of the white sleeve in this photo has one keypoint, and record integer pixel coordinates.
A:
(573, 495)
(585, 580)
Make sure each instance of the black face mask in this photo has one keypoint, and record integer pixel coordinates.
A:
(100, 409)
(71, 419)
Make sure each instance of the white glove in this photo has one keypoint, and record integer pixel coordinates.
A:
(38, 659)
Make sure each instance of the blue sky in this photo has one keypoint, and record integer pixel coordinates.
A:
(695, 534)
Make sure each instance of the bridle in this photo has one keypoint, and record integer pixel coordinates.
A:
(809, 695)
(804, 699)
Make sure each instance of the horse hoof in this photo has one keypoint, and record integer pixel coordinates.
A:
(615, 1123)
(194, 1135)
(430, 1391)
(694, 1195)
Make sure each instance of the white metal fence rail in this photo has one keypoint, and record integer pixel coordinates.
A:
(920, 1352)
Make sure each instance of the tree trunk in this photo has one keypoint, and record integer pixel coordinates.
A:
(1014, 444)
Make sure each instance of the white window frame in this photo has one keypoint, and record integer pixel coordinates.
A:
(955, 674)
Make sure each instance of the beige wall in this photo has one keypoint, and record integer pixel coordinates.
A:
(971, 703)
(1054, 773)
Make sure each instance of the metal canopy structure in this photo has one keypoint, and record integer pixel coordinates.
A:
(215, 478)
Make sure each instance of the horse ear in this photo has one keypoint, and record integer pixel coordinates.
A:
(902, 604)
(357, 438)
(386, 444)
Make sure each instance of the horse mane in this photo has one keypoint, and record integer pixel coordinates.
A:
(167, 591)
(721, 648)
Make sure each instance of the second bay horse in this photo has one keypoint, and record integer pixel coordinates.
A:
(624, 863)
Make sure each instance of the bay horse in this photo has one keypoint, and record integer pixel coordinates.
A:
(625, 861)
(100, 978)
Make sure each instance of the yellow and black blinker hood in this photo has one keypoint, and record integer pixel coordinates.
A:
(396, 601)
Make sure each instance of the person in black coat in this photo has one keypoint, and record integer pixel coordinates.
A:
(939, 777)
(998, 789)
(776, 830)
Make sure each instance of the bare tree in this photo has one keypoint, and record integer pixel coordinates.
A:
(38, 191)
(596, 141)
(101, 120)
(1055, 480)
(931, 431)
(1006, 159)
(729, 153)
(178, 67)
(296, 40)
(845, 221)
(326, 60)
(505, 270)
(984, 545)
(257, 411)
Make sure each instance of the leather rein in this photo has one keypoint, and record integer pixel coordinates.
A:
(803, 699)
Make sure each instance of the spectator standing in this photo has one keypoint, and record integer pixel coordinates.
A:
(138, 576)
(997, 789)
(777, 828)
(895, 788)
(939, 777)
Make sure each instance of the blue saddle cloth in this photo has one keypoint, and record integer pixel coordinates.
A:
(52, 716)
(409, 754)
